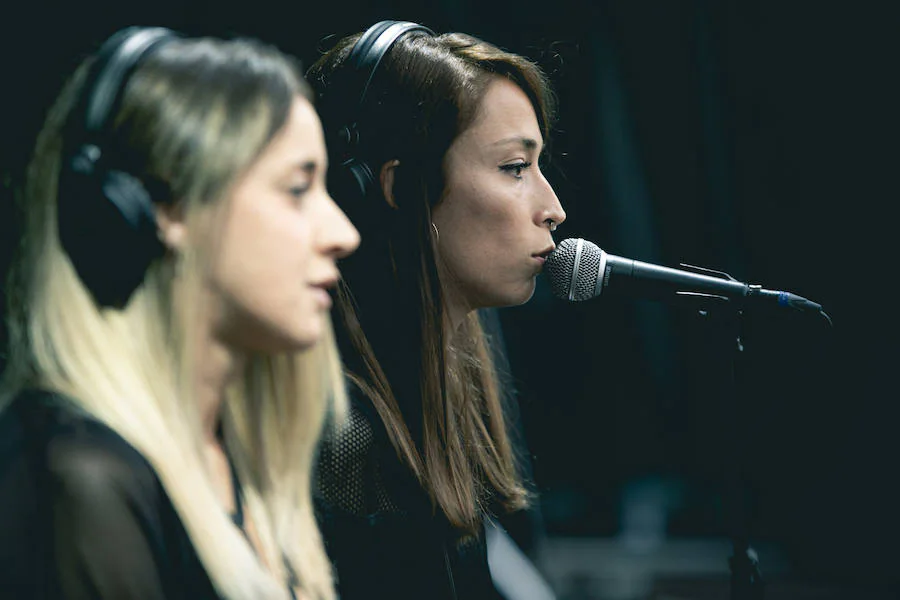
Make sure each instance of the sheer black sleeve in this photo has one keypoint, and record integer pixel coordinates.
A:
(83, 515)
(106, 537)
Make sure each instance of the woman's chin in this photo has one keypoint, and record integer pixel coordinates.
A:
(515, 297)
(528, 292)
(307, 336)
(287, 339)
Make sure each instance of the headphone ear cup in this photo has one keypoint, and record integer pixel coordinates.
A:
(100, 212)
(350, 184)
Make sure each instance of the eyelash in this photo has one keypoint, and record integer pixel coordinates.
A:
(515, 169)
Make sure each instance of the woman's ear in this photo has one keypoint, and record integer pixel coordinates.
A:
(171, 228)
(387, 181)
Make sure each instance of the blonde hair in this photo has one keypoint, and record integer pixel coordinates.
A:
(194, 115)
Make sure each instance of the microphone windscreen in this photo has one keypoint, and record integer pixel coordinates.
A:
(578, 258)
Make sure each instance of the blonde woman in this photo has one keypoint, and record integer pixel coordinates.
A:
(171, 361)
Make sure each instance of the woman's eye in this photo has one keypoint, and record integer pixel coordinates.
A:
(515, 169)
(297, 191)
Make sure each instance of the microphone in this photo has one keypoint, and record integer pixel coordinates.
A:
(578, 270)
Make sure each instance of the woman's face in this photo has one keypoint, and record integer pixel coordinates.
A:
(493, 221)
(276, 253)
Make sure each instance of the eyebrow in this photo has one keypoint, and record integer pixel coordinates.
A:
(526, 142)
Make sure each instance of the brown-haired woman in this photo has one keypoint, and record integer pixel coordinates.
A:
(437, 165)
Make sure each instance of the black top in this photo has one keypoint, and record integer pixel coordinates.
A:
(83, 514)
(380, 531)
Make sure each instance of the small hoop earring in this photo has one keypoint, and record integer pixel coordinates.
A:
(437, 235)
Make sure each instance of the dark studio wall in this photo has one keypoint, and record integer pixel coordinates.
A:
(752, 138)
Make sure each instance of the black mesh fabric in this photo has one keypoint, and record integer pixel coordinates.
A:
(382, 534)
(350, 476)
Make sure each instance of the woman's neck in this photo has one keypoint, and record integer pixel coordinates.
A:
(456, 311)
(216, 367)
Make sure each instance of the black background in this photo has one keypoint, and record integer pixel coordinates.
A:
(752, 137)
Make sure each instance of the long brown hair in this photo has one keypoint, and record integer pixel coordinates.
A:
(438, 398)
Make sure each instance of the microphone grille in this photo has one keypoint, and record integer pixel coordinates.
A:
(561, 265)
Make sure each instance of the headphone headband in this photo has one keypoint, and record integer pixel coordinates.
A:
(348, 94)
(373, 45)
(116, 59)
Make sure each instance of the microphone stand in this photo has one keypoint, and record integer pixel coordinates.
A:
(725, 319)
(746, 579)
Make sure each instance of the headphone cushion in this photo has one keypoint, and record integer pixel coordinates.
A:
(100, 213)
(351, 183)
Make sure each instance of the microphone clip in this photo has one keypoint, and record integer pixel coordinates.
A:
(699, 299)
(705, 271)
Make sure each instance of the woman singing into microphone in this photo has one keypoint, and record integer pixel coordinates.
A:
(435, 143)
(171, 359)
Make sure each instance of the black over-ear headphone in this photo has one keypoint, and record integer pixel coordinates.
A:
(106, 218)
(353, 177)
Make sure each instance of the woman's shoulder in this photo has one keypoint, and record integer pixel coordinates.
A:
(46, 439)
(360, 403)
(349, 445)
(73, 489)
(359, 473)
